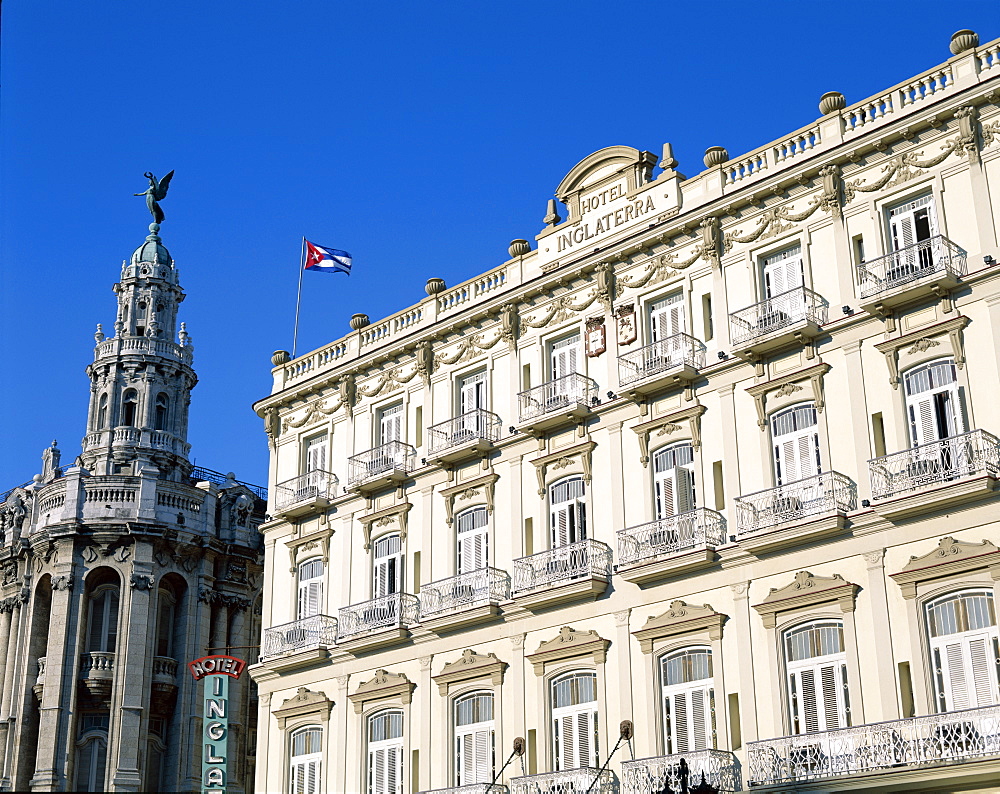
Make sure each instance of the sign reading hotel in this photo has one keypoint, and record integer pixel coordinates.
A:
(605, 211)
(216, 671)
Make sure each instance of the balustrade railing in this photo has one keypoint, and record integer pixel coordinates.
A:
(316, 484)
(650, 775)
(696, 529)
(97, 661)
(316, 631)
(472, 788)
(201, 474)
(768, 316)
(951, 737)
(164, 666)
(937, 254)
(966, 455)
(380, 461)
(570, 781)
(674, 351)
(142, 345)
(398, 610)
(470, 426)
(467, 590)
(584, 559)
(560, 394)
(824, 493)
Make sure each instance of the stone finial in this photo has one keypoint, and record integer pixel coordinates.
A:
(962, 41)
(434, 286)
(518, 248)
(279, 357)
(551, 215)
(831, 102)
(715, 155)
(667, 161)
(99, 334)
(359, 321)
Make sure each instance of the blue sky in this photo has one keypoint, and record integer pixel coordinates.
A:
(421, 137)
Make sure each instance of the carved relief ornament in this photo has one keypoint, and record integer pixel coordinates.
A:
(562, 459)
(788, 385)
(807, 590)
(569, 644)
(922, 340)
(382, 686)
(668, 425)
(680, 618)
(951, 558)
(396, 514)
(303, 704)
(471, 666)
(481, 489)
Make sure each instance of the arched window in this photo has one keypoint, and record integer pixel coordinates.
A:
(473, 539)
(574, 721)
(387, 574)
(568, 511)
(305, 762)
(933, 405)
(385, 752)
(102, 619)
(795, 436)
(311, 587)
(673, 480)
(688, 701)
(165, 614)
(161, 412)
(102, 412)
(130, 404)
(816, 665)
(91, 762)
(965, 650)
(475, 739)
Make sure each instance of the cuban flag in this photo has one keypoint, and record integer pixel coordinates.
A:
(327, 260)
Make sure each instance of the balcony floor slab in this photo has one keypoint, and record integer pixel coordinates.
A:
(468, 450)
(779, 339)
(296, 660)
(583, 589)
(303, 508)
(965, 491)
(460, 618)
(574, 414)
(789, 534)
(374, 640)
(664, 567)
(930, 287)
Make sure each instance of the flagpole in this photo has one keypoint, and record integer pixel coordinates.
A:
(298, 297)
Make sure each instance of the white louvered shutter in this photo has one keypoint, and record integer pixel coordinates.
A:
(967, 669)
(689, 717)
(474, 755)
(305, 776)
(473, 540)
(568, 512)
(933, 402)
(817, 696)
(391, 424)
(388, 566)
(796, 444)
(310, 588)
(666, 317)
(782, 272)
(472, 393)
(316, 454)
(912, 222)
(564, 356)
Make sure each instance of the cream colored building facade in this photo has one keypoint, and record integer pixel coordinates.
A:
(716, 456)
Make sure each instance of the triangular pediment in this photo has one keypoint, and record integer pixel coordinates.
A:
(806, 590)
(383, 685)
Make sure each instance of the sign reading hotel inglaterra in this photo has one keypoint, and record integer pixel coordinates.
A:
(608, 220)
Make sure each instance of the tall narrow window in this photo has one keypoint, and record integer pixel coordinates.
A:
(472, 393)
(165, 624)
(306, 761)
(388, 570)
(102, 620)
(91, 763)
(688, 701)
(314, 466)
(102, 412)
(574, 721)
(817, 677)
(933, 404)
(391, 424)
(385, 753)
(160, 412)
(130, 404)
(475, 739)
(564, 356)
(568, 511)
(667, 317)
(783, 272)
(673, 480)
(473, 539)
(912, 222)
(795, 436)
(965, 650)
(310, 588)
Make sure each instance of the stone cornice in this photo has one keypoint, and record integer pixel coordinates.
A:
(680, 618)
(468, 490)
(382, 687)
(562, 458)
(569, 644)
(305, 703)
(470, 666)
(668, 424)
(785, 385)
(950, 558)
(383, 518)
(923, 339)
(807, 591)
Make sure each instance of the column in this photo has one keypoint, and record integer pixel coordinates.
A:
(748, 695)
(622, 648)
(730, 450)
(884, 661)
(859, 418)
(6, 718)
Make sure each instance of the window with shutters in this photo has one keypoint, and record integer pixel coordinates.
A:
(782, 272)
(160, 412)
(130, 407)
(91, 762)
(472, 393)
(102, 412)
(910, 223)
(933, 402)
(387, 574)
(473, 539)
(667, 317)
(311, 588)
(795, 438)
(385, 752)
(574, 721)
(315, 454)
(390, 424)
(965, 650)
(102, 619)
(673, 480)
(306, 760)
(565, 357)
(475, 739)
(568, 511)
(816, 666)
(688, 701)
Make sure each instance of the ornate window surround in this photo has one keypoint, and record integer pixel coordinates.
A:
(920, 342)
(562, 459)
(304, 708)
(784, 387)
(668, 424)
(383, 686)
(481, 486)
(395, 514)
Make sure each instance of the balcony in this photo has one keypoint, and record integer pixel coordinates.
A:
(720, 768)
(308, 493)
(97, 669)
(307, 639)
(385, 465)
(802, 511)
(472, 788)
(676, 359)
(573, 572)
(570, 781)
(791, 317)
(464, 599)
(865, 756)
(466, 436)
(561, 401)
(959, 469)
(669, 546)
(377, 623)
(923, 270)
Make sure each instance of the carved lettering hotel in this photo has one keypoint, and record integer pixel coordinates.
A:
(707, 471)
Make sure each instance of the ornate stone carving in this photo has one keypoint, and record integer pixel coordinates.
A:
(569, 644)
(470, 666)
(807, 590)
(383, 518)
(561, 460)
(509, 324)
(680, 618)
(138, 581)
(951, 558)
(303, 704)
(468, 491)
(382, 686)
(922, 340)
(668, 425)
(62, 582)
(788, 385)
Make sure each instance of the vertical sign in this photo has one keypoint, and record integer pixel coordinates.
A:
(216, 671)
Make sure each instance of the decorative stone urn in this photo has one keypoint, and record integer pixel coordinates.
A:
(963, 40)
(518, 248)
(279, 357)
(715, 155)
(433, 286)
(831, 102)
(359, 321)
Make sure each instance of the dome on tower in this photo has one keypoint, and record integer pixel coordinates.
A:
(152, 250)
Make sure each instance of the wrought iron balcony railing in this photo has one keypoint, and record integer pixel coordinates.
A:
(570, 781)
(774, 314)
(584, 559)
(472, 788)
(822, 494)
(565, 393)
(477, 425)
(696, 529)
(675, 351)
(316, 631)
(465, 591)
(936, 254)
(952, 737)
(313, 485)
(381, 461)
(398, 610)
(645, 775)
(967, 455)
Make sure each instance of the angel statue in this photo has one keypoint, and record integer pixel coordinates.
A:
(156, 191)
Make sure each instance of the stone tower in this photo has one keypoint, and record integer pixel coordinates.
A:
(117, 571)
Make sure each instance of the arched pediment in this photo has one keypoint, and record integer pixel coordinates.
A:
(607, 162)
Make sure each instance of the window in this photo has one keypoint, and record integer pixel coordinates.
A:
(965, 650)
(385, 753)
(666, 317)
(795, 435)
(310, 588)
(473, 539)
(688, 701)
(472, 393)
(673, 480)
(130, 403)
(306, 759)
(475, 739)
(165, 624)
(103, 619)
(574, 721)
(102, 412)
(568, 511)
(390, 424)
(933, 405)
(315, 454)
(912, 222)
(816, 665)
(160, 415)
(783, 272)
(564, 356)
(388, 571)
(91, 763)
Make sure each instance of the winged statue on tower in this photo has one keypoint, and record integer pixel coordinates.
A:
(156, 191)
